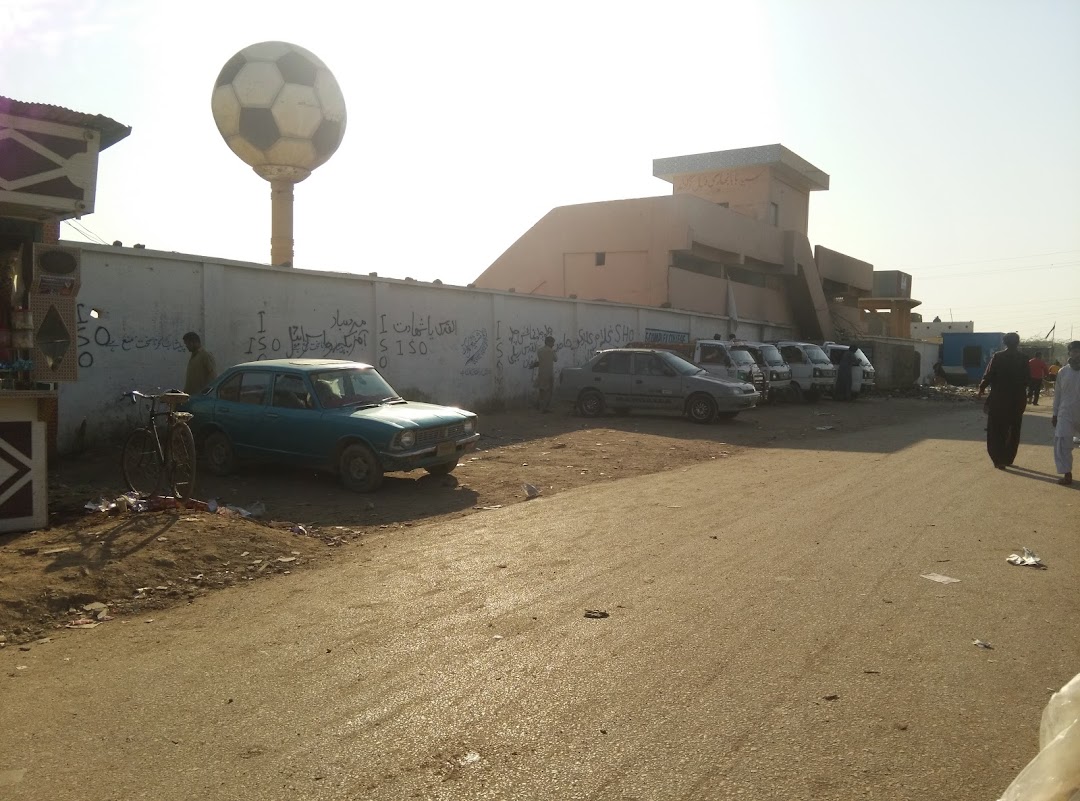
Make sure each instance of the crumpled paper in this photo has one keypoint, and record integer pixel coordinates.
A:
(1028, 559)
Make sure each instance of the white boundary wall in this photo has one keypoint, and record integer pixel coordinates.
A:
(454, 345)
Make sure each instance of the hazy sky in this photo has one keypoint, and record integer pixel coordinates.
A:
(950, 129)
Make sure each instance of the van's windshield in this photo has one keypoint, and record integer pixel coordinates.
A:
(816, 355)
(772, 356)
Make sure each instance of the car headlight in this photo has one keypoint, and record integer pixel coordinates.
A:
(406, 439)
(470, 425)
(774, 376)
(817, 372)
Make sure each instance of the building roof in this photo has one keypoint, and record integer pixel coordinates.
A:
(111, 131)
(789, 166)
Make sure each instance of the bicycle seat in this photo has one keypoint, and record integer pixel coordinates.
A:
(174, 398)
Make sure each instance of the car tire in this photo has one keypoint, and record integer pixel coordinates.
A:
(795, 393)
(444, 469)
(701, 408)
(359, 468)
(590, 403)
(218, 453)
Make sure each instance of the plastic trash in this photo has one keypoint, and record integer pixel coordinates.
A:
(1054, 773)
(940, 578)
(1028, 559)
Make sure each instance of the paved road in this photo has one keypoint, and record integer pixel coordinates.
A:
(454, 661)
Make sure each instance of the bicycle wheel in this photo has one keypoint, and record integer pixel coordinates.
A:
(180, 455)
(141, 463)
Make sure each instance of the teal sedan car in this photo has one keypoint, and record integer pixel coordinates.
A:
(327, 414)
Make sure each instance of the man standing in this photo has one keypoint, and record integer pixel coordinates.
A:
(1037, 369)
(201, 369)
(545, 373)
(1066, 419)
(1008, 377)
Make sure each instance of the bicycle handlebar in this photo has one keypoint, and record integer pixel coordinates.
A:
(135, 394)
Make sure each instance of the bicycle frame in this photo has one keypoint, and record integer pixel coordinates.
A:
(161, 449)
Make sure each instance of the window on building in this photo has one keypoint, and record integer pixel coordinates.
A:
(601, 258)
(774, 214)
(973, 356)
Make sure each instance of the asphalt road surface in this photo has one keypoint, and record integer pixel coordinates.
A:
(768, 635)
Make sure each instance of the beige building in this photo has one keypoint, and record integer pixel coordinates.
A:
(731, 240)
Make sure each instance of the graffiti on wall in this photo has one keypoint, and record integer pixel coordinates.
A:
(93, 336)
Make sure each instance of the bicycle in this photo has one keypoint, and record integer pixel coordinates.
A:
(148, 460)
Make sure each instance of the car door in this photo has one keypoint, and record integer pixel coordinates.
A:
(293, 425)
(239, 408)
(654, 384)
(611, 377)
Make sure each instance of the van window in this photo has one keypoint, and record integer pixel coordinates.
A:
(714, 354)
(792, 354)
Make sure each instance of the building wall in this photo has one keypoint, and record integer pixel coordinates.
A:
(702, 293)
(745, 191)
(835, 266)
(452, 344)
(557, 256)
(935, 330)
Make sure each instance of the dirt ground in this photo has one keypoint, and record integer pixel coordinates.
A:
(91, 568)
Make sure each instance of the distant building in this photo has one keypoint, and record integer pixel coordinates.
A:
(731, 240)
(931, 332)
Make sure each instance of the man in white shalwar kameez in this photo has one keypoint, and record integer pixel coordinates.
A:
(1066, 419)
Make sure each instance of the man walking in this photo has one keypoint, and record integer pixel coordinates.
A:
(1066, 419)
(1037, 369)
(1008, 377)
(545, 373)
(201, 369)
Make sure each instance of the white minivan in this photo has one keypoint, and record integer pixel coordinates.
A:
(812, 373)
(862, 372)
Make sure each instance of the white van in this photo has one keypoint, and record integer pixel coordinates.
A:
(812, 373)
(776, 373)
(862, 372)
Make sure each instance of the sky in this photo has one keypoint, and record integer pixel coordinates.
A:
(949, 128)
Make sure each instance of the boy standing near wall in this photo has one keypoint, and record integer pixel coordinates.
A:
(1066, 419)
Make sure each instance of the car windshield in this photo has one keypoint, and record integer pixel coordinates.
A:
(742, 357)
(679, 364)
(352, 386)
(860, 359)
(816, 355)
(772, 356)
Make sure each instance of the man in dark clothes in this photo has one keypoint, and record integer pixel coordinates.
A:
(842, 386)
(1007, 376)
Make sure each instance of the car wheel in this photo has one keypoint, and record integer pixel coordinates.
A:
(219, 454)
(444, 469)
(360, 470)
(590, 403)
(795, 393)
(701, 408)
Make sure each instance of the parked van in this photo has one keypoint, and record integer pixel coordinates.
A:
(862, 372)
(812, 373)
(776, 372)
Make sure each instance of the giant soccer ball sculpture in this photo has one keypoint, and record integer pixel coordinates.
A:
(279, 109)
